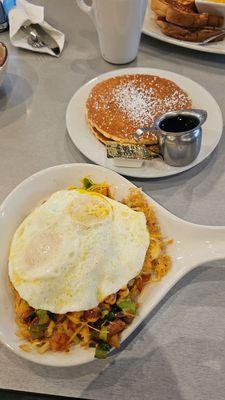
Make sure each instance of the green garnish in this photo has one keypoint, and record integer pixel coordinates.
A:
(43, 317)
(102, 349)
(37, 331)
(103, 333)
(127, 305)
(104, 346)
(105, 312)
(87, 183)
(110, 316)
(99, 353)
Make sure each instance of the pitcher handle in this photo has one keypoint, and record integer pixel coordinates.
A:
(84, 7)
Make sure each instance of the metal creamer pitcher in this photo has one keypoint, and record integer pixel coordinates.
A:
(180, 135)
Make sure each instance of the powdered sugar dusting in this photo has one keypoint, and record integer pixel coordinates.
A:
(142, 104)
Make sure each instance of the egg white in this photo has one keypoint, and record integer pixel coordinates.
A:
(76, 249)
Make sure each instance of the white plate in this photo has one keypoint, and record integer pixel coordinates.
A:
(151, 29)
(86, 142)
(192, 245)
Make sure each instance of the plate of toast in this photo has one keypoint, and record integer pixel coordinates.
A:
(181, 23)
(112, 106)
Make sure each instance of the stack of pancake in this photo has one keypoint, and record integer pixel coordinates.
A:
(118, 106)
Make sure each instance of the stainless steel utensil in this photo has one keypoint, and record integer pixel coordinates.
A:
(39, 38)
(211, 39)
(47, 39)
(35, 42)
(33, 39)
(178, 148)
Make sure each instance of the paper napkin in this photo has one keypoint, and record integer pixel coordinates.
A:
(25, 13)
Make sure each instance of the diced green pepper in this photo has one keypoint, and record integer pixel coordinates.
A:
(102, 349)
(99, 353)
(104, 346)
(127, 305)
(110, 316)
(105, 312)
(43, 316)
(87, 183)
(103, 333)
(37, 331)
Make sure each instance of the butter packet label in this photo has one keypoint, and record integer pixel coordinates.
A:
(129, 151)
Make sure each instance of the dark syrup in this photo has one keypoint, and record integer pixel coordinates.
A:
(179, 123)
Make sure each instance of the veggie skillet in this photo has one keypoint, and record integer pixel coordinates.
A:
(101, 326)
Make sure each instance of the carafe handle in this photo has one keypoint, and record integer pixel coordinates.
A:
(87, 9)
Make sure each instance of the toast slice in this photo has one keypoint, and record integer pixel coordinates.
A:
(181, 33)
(160, 7)
(184, 13)
(215, 21)
(186, 19)
(191, 19)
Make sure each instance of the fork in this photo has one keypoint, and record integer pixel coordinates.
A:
(33, 39)
(212, 39)
(37, 44)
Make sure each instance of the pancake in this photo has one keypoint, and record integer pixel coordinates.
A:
(104, 140)
(118, 106)
(99, 135)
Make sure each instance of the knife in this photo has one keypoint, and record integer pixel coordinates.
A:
(47, 39)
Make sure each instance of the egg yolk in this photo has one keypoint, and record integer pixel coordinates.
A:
(90, 211)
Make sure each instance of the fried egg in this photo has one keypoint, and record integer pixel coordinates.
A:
(75, 249)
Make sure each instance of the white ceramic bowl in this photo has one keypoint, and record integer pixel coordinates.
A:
(193, 245)
(3, 68)
(211, 7)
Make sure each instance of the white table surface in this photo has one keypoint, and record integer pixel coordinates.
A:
(180, 352)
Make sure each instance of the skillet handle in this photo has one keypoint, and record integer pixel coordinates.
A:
(214, 242)
(200, 244)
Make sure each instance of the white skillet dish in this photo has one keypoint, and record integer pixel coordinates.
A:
(192, 246)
